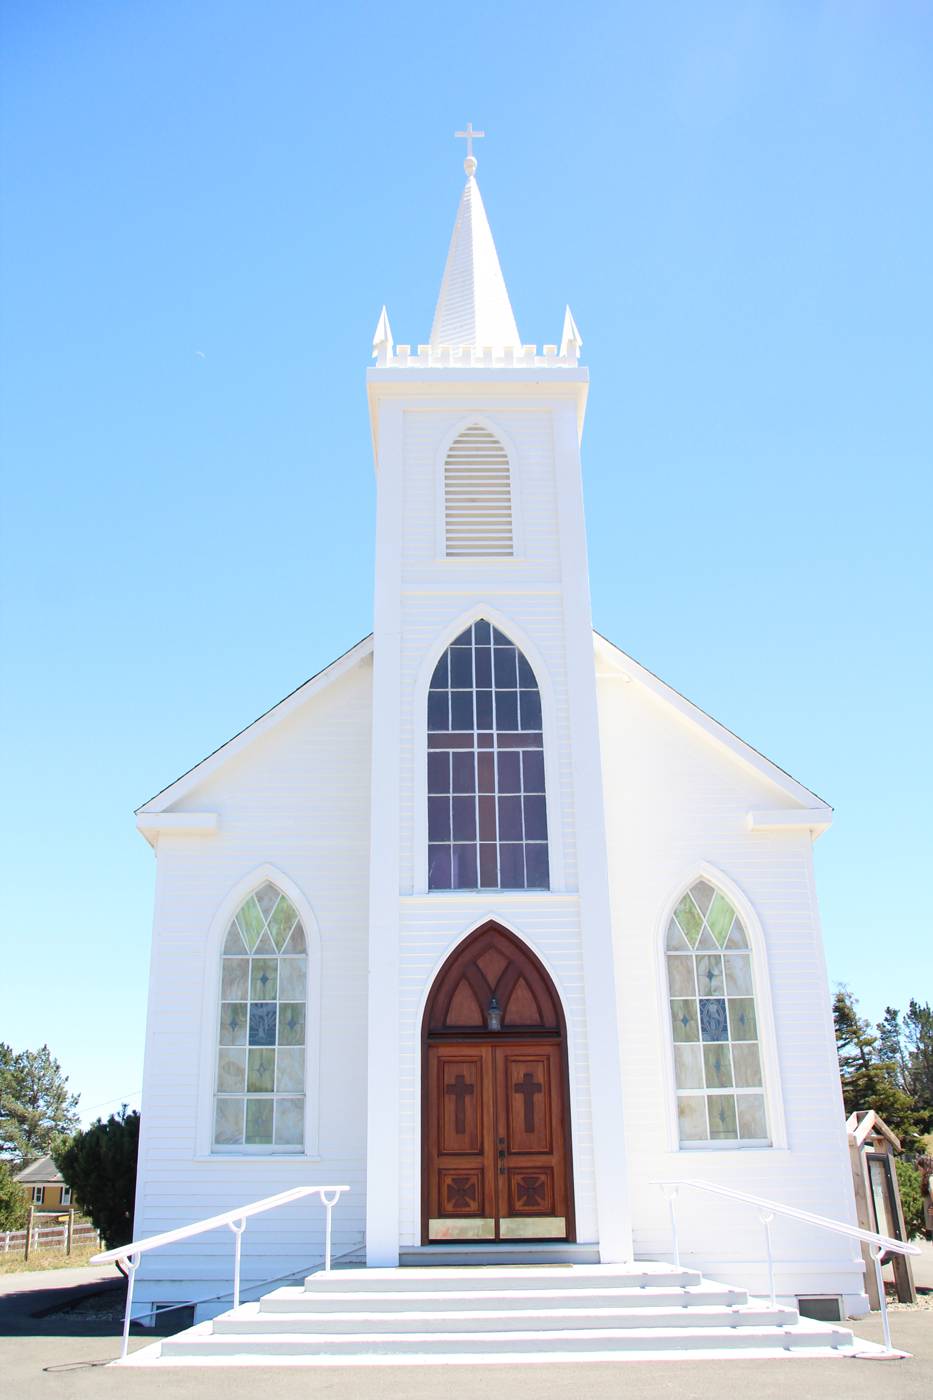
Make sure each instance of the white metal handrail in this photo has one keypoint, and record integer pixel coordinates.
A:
(879, 1245)
(235, 1220)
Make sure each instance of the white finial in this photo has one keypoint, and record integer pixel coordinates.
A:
(382, 341)
(571, 341)
(469, 136)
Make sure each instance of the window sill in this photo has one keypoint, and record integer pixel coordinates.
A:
(479, 560)
(234, 1156)
(486, 895)
(708, 1149)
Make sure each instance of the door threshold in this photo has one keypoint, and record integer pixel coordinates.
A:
(466, 1252)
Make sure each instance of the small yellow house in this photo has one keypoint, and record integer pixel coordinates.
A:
(44, 1185)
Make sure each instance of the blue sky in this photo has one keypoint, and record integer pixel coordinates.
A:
(206, 206)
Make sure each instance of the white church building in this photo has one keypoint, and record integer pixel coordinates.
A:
(485, 920)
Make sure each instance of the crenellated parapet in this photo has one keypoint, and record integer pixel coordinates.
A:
(473, 357)
(388, 355)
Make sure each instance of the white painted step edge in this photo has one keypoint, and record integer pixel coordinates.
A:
(481, 1279)
(544, 1320)
(288, 1300)
(454, 1344)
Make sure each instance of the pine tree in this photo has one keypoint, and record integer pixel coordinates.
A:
(890, 1048)
(36, 1109)
(918, 1034)
(868, 1082)
(854, 1040)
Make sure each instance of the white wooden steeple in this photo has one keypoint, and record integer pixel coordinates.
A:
(473, 307)
(479, 521)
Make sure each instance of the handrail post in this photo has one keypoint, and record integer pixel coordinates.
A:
(670, 1191)
(329, 1199)
(237, 1226)
(132, 1264)
(766, 1217)
(876, 1254)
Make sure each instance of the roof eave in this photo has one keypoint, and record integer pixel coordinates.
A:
(818, 812)
(180, 788)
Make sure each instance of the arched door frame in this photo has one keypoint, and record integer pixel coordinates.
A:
(483, 1036)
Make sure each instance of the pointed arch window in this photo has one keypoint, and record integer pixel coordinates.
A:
(714, 1024)
(487, 812)
(259, 1097)
(477, 496)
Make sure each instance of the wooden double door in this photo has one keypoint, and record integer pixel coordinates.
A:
(496, 1156)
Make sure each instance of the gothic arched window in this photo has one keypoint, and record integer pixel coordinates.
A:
(260, 1092)
(487, 814)
(717, 1055)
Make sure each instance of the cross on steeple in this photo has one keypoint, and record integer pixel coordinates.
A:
(469, 136)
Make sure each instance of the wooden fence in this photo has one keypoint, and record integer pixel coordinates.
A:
(61, 1236)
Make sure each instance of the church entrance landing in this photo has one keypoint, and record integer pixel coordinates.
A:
(495, 1103)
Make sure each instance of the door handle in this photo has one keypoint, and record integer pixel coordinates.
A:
(501, 1153)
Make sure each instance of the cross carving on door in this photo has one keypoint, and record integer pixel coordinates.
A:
(460, 1090)
(528, 1087)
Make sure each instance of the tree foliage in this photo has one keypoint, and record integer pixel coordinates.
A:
(36, 1108)
(870, 1078)
(99, 1164)
(918, 1038)
(908, 1181)
(14, 1208)
(905, 1043)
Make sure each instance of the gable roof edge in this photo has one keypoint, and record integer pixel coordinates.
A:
(739, 748)
(266, 721)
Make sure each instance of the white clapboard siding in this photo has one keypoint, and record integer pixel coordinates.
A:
(477, 496)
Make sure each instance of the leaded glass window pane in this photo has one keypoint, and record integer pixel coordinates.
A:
(751, 1111)
(688, 1067)
(691, 1116)
(260, 1081)
(717, 1057)
(747, 1062)
(738, 974)
(228, 1123)
(487, 809)
(231, 1070)
(680, 975)
(258, 1121)
(684, 1020)
(721, 1110)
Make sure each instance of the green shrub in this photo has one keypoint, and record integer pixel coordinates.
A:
(99, 1165)
(14, 1207)
(908, 1181)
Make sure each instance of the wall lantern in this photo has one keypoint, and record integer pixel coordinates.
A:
(493, 1014)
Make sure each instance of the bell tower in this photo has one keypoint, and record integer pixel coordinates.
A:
(481, 552)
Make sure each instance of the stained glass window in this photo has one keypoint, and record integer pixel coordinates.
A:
(487, 815)
(259, 1099)
(717, 1056)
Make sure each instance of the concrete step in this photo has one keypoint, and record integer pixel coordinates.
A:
(517, 1345)
(259, 1323)
(525, 1314)
(527, 1276)
(302, 1300)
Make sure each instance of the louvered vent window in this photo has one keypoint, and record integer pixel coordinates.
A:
(477, 495)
